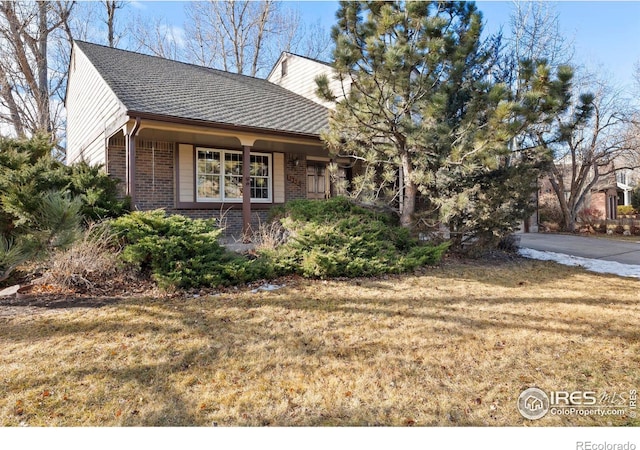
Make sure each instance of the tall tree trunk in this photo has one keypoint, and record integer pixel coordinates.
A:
(14, 111)
(44, 113)
(262, 23)
(111, 14)
(28, 76)
(409, 194)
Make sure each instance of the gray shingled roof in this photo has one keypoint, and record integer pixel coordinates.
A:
(153, 85)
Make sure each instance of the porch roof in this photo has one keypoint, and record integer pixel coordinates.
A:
(158, 87)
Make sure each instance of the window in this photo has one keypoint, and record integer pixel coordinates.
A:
(219, 176)
(283, 68)
(621, 177)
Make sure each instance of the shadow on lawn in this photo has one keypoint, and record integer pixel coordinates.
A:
(500, 273)
(208, 335)
(219, 332)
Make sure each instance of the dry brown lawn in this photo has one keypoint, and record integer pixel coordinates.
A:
(452, 346)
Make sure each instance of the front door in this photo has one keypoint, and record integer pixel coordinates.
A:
(317, 183)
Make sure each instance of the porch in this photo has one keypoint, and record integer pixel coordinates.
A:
(235, 177)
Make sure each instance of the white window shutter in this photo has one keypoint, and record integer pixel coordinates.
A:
(278, 178)
(186, 174)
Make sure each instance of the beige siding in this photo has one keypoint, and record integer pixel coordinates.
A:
(278, 178)
(186, 173)
(300, 77)
(91, 108)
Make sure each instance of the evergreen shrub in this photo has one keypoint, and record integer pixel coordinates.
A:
(336, 238)
(182, 252)
(635, 199)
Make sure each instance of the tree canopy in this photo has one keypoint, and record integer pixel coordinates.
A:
(426, 109)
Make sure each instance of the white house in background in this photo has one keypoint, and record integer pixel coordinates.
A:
(626, 181)
(298, 73)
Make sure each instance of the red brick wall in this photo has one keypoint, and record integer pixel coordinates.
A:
(154, 177)
(295, 183)
(598, 202)
(117, 166)
(231, 219)
(155, 184)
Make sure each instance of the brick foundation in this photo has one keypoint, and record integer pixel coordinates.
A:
(230, 220)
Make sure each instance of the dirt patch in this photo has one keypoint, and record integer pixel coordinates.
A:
(42, 297)
(36, 303)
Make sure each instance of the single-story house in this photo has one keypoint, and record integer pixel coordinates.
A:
(195, 140)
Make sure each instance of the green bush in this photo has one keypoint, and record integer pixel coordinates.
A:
(54, 225)
(635, 198)
(625, 210)
(325, 239)
(11, 256)
(336, 238)
(28, 172)
(96, 190)
(183, 252)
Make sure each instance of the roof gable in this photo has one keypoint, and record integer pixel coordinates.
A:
(152, 85)
(285, 55)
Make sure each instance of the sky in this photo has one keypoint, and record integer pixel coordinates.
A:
(606, 34)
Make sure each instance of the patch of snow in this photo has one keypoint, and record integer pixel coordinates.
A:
(594, 265)
(268, 288)
(11, 290)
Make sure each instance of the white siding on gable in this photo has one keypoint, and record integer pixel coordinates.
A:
(186, 173)
(91, 107)
(278, 178)
(300, 77)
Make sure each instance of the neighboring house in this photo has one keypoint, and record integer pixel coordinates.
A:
(626, 182)
(602, 199)
(194, 140)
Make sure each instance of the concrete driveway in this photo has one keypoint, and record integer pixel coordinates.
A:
(625, 252)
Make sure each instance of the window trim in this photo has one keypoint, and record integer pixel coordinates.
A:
(222, 176)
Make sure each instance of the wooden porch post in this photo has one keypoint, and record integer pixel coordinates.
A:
(130, 143)
(246, 191)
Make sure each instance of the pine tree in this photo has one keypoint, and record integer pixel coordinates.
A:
(635, 199)
(426, 113)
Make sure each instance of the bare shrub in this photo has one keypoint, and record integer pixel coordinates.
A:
(549, 209)
(90, 260)
(270, 235)
(589, 217)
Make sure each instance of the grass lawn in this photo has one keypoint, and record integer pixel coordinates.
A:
(452, 346)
